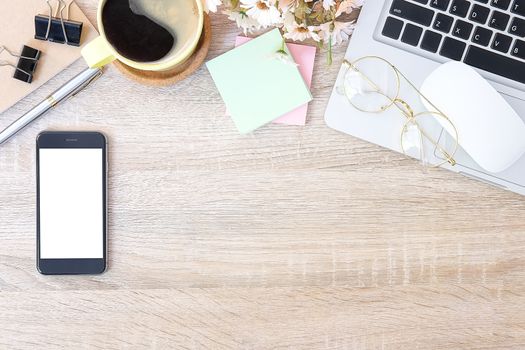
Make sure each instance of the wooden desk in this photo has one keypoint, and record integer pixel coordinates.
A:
(293, 237)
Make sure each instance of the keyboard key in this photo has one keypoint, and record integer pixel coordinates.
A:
(519, 49)
(424, 2)
(501, 4)
(501, 42)
(499, 20)
(482, 36)
(496, 63)
(460, 7)
(517, 27)
(462, 29)
(440, 4)
(411, 34)
(412, 12)
(483, 1)
(518, 6)
(443, 23)
(479, 14)
(452, 49)
(431, 41)
(392, 28)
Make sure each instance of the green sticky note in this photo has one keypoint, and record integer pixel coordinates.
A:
(255, 85)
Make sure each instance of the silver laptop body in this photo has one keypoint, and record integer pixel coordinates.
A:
(369, 39)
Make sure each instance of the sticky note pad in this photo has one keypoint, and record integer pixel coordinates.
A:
(255, 85)
(304, 56)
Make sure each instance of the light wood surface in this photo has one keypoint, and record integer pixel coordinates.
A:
(289, 238)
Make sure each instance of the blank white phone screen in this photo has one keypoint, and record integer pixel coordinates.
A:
(71, 203)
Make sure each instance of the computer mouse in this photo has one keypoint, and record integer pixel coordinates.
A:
(489, 130)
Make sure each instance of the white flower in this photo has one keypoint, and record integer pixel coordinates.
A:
(247, 24)
(262, 11)
(328, 3)
(298, 32)
(288, 19)
(287, 5)
(347, 6)
(211, 5)
(336, 32)
(284, 57)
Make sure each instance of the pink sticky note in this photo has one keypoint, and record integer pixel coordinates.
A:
(304, 56)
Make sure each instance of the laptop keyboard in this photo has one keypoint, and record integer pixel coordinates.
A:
(486, 34)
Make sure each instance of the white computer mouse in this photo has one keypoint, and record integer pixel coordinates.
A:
(489, 130)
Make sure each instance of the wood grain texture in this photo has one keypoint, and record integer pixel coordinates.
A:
(292, 237)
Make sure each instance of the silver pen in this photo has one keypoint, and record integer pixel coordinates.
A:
(69, 89)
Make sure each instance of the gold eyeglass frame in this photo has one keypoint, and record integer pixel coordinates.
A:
(406, 110)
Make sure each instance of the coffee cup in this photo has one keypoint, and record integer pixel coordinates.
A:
(150, 35)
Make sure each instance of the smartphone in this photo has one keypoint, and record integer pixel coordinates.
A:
(71, 193)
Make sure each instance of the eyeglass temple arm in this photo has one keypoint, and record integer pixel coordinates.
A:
(419, 91)
(346, 62)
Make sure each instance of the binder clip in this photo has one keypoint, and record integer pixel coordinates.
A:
(57, 29)
(27, 62)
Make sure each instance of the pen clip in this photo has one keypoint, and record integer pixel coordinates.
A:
(86, 83)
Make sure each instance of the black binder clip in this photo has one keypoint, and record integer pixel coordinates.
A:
(27, 62)
(57, 29)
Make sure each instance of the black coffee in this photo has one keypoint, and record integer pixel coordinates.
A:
(135, 36)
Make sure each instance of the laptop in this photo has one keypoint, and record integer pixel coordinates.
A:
(419, 35)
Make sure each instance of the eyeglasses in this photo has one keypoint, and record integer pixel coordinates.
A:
(372, 84)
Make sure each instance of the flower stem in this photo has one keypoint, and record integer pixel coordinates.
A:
(329, 50)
